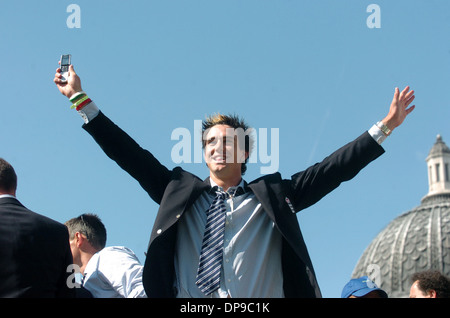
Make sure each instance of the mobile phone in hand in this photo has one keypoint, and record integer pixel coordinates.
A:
(65, 62)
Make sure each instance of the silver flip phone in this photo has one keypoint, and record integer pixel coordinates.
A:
(65, 62)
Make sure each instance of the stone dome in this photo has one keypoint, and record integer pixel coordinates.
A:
(416, 240)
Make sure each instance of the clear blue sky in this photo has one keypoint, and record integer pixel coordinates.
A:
(314, 70)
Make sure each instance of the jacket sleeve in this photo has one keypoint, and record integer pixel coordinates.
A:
(312, 184)
(138, 162)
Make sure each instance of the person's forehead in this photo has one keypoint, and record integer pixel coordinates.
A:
(220, 130)
(415, 288)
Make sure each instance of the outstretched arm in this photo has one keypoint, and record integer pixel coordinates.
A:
(318, 180)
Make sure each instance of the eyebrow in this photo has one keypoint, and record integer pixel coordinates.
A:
(224, 138)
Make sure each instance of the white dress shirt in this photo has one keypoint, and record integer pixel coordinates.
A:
(114, 272)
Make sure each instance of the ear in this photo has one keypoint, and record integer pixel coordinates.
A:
(432, 293)
(79, 239)
(246, 155)
(241, 155)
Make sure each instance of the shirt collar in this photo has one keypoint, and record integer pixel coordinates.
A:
(240, 185)
(7, 196)
(232, 191)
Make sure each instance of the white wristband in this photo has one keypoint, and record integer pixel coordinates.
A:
(76, 94)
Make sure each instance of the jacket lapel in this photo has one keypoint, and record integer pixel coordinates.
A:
(197, 189)
(260, 190)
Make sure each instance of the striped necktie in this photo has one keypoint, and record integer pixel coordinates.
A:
(208, 273)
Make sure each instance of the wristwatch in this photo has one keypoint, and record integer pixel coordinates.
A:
(385, 129)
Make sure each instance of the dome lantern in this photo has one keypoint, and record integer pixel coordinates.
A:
(438, 162)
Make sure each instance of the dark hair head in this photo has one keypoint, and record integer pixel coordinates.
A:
(8, 177)
(91, 226)
(433, 280)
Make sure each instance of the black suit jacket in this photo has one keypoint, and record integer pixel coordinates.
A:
(176, 190)
(34, 253)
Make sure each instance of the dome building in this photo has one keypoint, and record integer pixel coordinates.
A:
(416, 240)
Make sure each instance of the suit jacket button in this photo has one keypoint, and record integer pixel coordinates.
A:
(159, 231)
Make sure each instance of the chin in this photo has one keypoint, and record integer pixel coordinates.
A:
(218, 168)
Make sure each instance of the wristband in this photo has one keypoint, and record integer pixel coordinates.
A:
(80, 101)
(385, 129)
(76, 96)
(84, 103)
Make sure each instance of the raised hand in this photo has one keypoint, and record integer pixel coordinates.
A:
(73, 84)
(399, 108)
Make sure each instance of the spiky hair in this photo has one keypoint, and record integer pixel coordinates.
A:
(233, 121)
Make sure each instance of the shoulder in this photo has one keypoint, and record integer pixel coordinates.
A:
(269, 178)
(273, 181)
(45, 222)
(19, 214)
(116, 254)
(111, 250)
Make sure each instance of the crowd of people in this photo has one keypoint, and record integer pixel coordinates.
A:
(218, 237)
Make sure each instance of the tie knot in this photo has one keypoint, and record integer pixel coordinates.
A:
(222, 194)
(230, 193)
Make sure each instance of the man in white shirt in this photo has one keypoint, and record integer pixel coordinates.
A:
(108, 272)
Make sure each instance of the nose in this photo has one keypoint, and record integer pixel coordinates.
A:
(218, 147)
